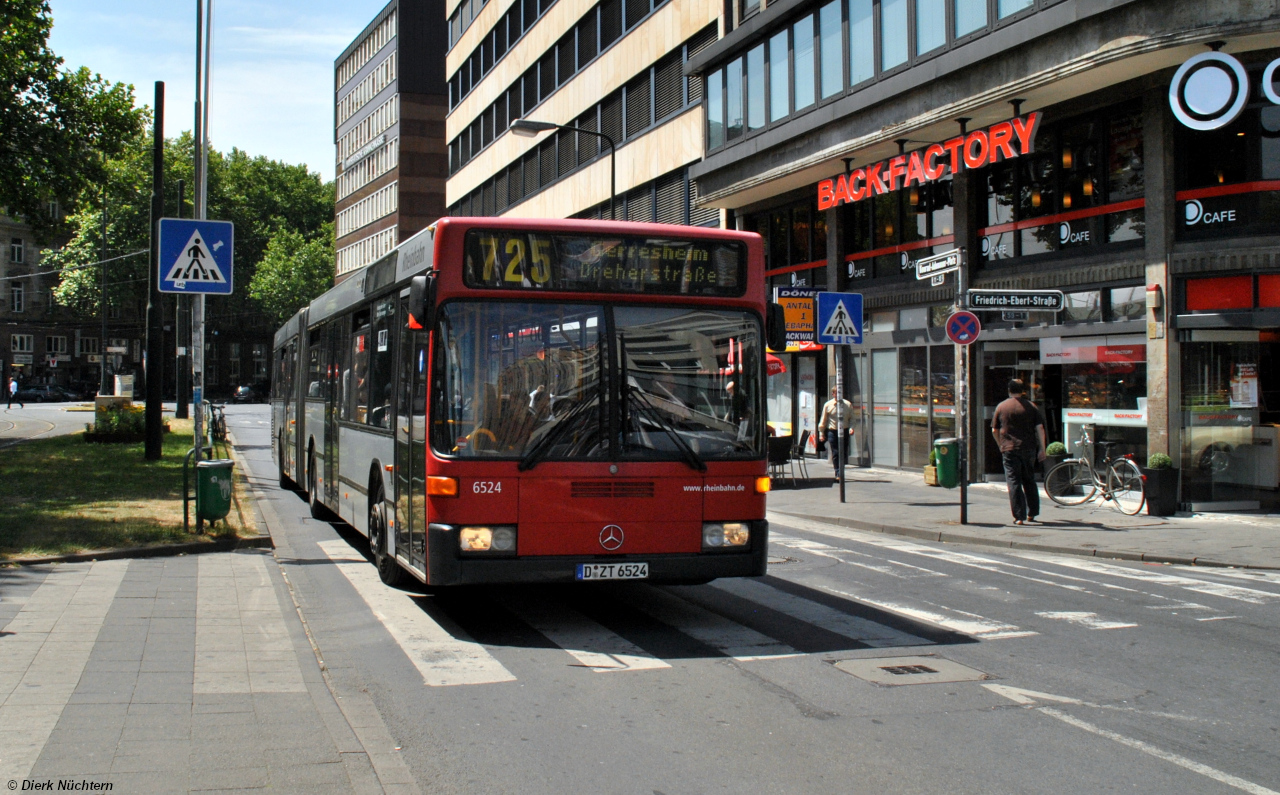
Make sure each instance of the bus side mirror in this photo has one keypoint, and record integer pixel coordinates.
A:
(775, 327)
(422, 301)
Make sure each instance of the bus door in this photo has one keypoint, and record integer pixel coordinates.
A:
(334, 338)
(411, 451)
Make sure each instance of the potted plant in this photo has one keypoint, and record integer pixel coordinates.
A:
(1161, 485)
(931, 471)
(1054, 454)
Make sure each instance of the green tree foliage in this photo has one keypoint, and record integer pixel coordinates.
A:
(55, 124)
(262, 197)
(293, 272)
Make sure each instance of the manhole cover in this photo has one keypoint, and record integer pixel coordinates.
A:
(893, 671)
(774, 561)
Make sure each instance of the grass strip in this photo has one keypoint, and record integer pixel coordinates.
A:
(62, 495)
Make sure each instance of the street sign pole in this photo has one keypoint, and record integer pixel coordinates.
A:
(962, 402)
(154, 368)
(204, 42)
(839, 421)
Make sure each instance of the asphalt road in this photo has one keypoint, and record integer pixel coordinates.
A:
(1083, 675)
(37, 420)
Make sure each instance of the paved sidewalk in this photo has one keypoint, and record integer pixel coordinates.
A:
(898, 502)
(167, 675)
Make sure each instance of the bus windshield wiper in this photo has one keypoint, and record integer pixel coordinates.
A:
(535, 453)
(691, 458)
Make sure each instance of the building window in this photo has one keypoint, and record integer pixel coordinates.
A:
(17, 298)
(733, 99)
(21, 343)
(830, 28)
(802, 82)
(779, 77)
(755, 88)
(747, 8)
(971, 15)
(88, 345)
(893, 33)
(862, 41)
(16, 251)
(931, 25)
(1008, 8)
(715, 109)
(55, 345)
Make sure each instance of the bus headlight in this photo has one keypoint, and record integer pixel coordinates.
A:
(719, 535)
(499, 539)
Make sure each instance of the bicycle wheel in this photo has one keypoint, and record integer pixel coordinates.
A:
(1070, 483)
(1125, 486)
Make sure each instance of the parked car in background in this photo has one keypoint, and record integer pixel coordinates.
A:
(253, 393)
(45, 393)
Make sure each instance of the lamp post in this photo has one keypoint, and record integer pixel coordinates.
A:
(528, 128)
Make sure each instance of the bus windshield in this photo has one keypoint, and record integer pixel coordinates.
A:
(535, 381)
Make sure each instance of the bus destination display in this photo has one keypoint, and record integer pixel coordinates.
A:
(508, 260)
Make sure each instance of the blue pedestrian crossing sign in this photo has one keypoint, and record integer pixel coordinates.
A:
(195, 256)
(840, 318)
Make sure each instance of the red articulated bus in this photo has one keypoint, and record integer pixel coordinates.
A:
(511, 400)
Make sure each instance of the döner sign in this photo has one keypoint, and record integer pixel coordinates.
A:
(980, 148)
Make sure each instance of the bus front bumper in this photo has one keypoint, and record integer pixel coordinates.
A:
(446, 566)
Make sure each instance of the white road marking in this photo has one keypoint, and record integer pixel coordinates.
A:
(1030, 697)
(1216, 618)
(1235, 592)
(593, 645)
(859, 629)
(971, 624)
(242, 642)
(843, 555)
(43, 658)
(728, 637)
(442, 659)
(1086, 620)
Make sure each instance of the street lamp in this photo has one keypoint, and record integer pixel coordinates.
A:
(528, 128)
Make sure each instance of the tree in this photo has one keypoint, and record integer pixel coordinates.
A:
(293, 272)
(56, 125)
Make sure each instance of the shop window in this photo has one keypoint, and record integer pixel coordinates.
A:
(801, 229)
(971, 15)
(1129, 303)
(1220, 292)
(803, 75)
(893, 33)
(831, 30)
(862, 41)
(884, 321)
(914, 392)
(938, 315)
(913, 318)
(1269, 290)
(779, 78)
(931, 25)
(779, 233)
(884, 412)
(1082, 307)
(1007, 8)
(755, 88)
(942, 391)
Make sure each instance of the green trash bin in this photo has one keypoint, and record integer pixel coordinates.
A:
(213, 489)
(947, 451)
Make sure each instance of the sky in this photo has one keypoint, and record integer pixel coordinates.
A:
(272, 87)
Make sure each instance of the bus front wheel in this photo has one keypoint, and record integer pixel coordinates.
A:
(389, 570)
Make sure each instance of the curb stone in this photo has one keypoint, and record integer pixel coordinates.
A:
(159, 551)
(955, 538)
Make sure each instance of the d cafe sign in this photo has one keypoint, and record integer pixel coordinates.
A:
(1003, 141)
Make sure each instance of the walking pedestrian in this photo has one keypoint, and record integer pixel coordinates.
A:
(827, 427)
(13, 393)
(1018, 428)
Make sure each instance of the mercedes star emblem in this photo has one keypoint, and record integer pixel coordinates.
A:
(611, 537)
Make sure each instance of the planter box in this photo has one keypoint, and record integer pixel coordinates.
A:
(1051, 461)
(1162, 491)
(931, 476)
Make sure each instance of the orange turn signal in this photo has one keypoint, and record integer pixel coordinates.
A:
(763, 485)
(438, 486)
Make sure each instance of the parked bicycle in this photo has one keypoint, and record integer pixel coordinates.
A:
(1118, 480)
(217, 423)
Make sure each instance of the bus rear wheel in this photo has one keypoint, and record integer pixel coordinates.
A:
(389, 570)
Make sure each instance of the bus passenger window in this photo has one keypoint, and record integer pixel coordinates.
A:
(382, 363)
(355, 376)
